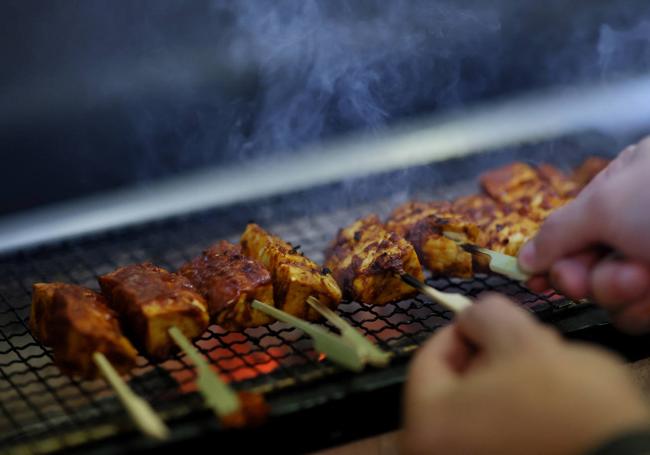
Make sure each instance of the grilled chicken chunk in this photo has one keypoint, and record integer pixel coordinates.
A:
(150, 300)
(563, 185)
(479, 208)
(422, 224)
(366, 260)
(508, 233)
(503, 230)
(521, 188)
(295, 277)
(77, 322)
(230, 282)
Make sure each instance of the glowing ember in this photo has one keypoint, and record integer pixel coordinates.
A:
(238, 362)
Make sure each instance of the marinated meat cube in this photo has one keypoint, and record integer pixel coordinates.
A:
(422, 224)
(521, 188)
(150, 300)
(77, 322)
(295, 277)
(502, 230)
(230, 281)
(366, 261)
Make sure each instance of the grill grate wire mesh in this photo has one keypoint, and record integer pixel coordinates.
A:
(42, 410)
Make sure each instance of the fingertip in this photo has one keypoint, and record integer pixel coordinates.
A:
(494, 298)
(632, 281)
(500, 308)
(538, 283)
(527, 257)
(489, 303)
(430, 366)
(495, 323)
(571, 278)
(615, 284)
(437, 343)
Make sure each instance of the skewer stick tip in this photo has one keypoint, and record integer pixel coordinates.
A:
(452, 301)
(412, 281)
(143, 415)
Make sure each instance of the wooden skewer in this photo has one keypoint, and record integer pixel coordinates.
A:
(451, 301)
(140, 411)
(371, 353)
(337, 349)
(218, 395)
(500, 263)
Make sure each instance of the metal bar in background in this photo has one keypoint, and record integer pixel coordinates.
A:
(621, 106)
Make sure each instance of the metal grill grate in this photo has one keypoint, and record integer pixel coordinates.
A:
(42, 410)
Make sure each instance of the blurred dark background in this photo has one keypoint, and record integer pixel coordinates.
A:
(97, 95)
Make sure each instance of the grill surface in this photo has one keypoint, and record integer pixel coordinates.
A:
(42, 410)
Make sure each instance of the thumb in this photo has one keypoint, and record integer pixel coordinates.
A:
(435, 369)
(568, 230)
(495, 325)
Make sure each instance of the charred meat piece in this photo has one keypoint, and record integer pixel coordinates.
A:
(295, 277)
(521, 188)
(150, 300)
(563, 185)
(508, 233)
(422, 224)
(230, 281)
(503, 230)
(366, 261)
(479, 208)
(588, 170)
(77, 322)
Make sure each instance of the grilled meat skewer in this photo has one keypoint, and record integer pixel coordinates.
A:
(521, 188)
(230, 282)
(77, 322)
(422, 223)
(366, 261)
(504, 230)
(295, 277)
(87, 341)
(150, 300)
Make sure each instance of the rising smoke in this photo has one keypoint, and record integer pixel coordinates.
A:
(331, 66)
(323, 68)
(618, 47)
(112, 93)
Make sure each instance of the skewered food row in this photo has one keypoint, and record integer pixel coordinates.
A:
(219, 285)
(516, 199)
(161, 310)
(365, 260)
(144, 299)
(228, 283)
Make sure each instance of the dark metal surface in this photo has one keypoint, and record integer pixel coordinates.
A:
(42, 410)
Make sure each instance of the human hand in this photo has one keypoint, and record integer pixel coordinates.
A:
(572, 250)
(498, 382)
